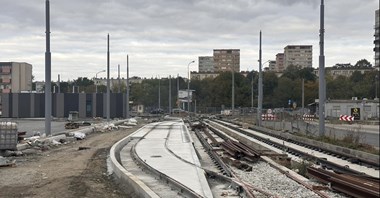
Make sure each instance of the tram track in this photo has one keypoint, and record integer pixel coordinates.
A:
(242, 153)
(342, 185)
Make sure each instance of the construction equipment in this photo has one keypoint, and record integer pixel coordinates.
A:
(73, 122)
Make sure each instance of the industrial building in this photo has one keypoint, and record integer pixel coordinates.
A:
(362, 109)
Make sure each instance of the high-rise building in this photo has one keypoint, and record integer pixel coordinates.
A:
(226, 60)
(272, 65)
(15, 77)
(206, 64)
(280, 62)
(376, 49)
(298, 55)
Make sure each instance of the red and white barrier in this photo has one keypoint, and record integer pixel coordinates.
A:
(308, 117)
(268, 117)
(346, 118)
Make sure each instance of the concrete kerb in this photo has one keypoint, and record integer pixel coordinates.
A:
(86, 130)
(123, 175)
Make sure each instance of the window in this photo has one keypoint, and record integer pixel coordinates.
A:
(367, 108)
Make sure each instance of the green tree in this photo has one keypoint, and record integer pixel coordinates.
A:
(363, 63)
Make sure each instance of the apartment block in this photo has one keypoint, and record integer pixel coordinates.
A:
(272, 65)
(206, 64)
(15, 77)
(226, 60)
(280, 57)
(298, 55)
(376, 49)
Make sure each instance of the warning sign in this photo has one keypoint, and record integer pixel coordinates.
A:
(356, 113)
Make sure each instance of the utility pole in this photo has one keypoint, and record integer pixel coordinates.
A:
(303, 96)
(322, 85)
(178, 105)
(170, 95)
(159, 92)
(59, 83)
(118, 77)
(252, 91)
(127, 86)
(47, 73)
(108, 79)
(260, 99)
(233, 91)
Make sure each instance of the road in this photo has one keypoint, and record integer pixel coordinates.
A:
(368, 134)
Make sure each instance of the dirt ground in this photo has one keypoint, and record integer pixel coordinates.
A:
(65, 171)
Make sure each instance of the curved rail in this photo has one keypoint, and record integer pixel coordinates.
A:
(182, 188)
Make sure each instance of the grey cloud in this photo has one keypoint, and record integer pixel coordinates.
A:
(171, 32)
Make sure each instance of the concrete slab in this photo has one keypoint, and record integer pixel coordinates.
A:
(169, 149)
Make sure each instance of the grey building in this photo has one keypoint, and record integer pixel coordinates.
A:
(342, 71)
(363, 109)
(298, 55)
(206, 64)
(15, 77)
(226, 60)
(280, 62)
(272, 65)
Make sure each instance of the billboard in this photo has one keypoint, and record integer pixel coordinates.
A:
(182, 95)
(356, 113)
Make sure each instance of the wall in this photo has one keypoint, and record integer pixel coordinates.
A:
(32, 105)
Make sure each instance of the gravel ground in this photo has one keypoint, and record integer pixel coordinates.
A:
(268, 179)
(65, 171)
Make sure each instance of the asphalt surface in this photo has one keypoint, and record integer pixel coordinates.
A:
(33, 126)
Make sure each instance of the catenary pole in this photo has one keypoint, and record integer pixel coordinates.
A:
(260, 99)
(108, 78)
(322, 85)
(47, 73)
(170, 94)
(127, 86)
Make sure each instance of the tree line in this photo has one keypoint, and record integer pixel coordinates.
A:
(217, 92)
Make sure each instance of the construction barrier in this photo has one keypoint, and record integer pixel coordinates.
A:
(308, 117)
(346, 118)
(268, 117)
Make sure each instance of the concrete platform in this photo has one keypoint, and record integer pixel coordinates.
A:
(169, 149)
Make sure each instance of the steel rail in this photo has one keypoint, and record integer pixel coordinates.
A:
(352, 159)
(309, 157)
(321, 194)
(356, 187)
(179, 186)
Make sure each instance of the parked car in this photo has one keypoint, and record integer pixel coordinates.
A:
(157, 111)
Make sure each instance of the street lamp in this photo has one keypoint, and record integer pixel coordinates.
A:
(96, 77)
(188, 86)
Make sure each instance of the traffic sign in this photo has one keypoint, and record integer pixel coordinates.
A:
(346, 118)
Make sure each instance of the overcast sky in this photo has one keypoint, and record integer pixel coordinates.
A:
(163, 36)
